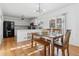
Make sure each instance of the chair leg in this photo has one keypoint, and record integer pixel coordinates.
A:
(52, 50)
(35, 44)
(68, 51)
(57, 51)
(63, 52)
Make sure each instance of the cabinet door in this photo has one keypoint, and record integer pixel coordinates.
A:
(61, 23)
(52, 23)
(29, 36)
(21, 35)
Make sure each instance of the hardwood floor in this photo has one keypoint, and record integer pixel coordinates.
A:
(10, 47)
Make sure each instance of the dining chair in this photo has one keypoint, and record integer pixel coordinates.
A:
(41, 41)
(45, 44)
(64, 43)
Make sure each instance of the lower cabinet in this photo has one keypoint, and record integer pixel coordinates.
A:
(23, 35)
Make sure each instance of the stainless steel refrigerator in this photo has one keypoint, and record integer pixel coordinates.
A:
(8, 29)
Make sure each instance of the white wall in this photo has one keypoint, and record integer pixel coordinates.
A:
(1, 26)
(72, 21)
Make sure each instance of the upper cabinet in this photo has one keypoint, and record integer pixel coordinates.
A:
(58, 23)
(52, 23)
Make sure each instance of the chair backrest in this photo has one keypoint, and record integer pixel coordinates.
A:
(57, 30)
(67, 37)
(45, 31)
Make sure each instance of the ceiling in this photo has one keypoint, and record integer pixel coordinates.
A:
(28, 9)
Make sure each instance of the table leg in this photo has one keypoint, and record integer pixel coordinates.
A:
(32, 41)
(52, 47)
(44, 50)
(49, 50)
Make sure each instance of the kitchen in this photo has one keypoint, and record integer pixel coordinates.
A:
(22, 27)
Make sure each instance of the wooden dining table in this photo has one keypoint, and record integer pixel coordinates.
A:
(50, 37)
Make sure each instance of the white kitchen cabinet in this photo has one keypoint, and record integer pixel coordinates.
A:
(58, 23)
(23, 34)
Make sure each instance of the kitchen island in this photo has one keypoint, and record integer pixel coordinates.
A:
(25, 34)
